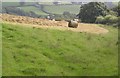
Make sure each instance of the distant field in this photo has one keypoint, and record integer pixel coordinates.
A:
(7, 4)
(49, 7)
(34, 9)
(38, 52)
(59, 9)
(55, 9)
(51, 3)
(46, 3)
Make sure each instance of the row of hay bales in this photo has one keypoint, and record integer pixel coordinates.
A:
(73, 24)
(37, 21)
(29, 20)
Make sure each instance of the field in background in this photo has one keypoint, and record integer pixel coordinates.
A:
(7, 4)
(34, 9)
(49, 7)
(37, 51)
(59, 9)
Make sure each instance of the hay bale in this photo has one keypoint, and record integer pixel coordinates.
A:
(73, 24)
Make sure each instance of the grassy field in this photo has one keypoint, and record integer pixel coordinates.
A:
(55, 9)
(37, 51)
(34, 9)
(7, 4)
(0, 50)
(51, 3)
(59, 9)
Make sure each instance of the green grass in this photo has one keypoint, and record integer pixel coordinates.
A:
(37, 51)
(51, 3)
(34, 9)
(7, 4)
(0, 50)
(59, 9)
(55, 9)
(46, 3)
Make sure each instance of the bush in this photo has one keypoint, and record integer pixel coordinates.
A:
(119, 21)
(113, 13)
(110, 19)
(100, 19)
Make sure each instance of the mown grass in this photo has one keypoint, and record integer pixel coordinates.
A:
(59, 9)
(47, 52)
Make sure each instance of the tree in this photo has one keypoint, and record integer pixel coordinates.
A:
(117, 9)
(118, 21)
(110, 19)
(100, 20)
(89, 12)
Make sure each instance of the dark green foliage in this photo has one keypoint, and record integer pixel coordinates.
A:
(117, 9)
(100, 20)
(119, 21)
(90, 11)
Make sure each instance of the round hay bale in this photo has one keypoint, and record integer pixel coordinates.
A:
(73, 24)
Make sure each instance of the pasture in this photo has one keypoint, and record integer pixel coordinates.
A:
(48, 7)
(46, 52)
(59, 9)
(34, 9)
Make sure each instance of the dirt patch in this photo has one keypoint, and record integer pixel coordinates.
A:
(45, 23)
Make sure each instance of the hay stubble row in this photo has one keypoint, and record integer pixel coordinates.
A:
(45, 23)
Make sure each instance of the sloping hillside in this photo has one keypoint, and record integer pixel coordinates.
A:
(36, 51)
(60, 9)
(48, 8)
(33, 9)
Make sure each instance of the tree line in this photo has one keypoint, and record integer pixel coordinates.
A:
(97, 12)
